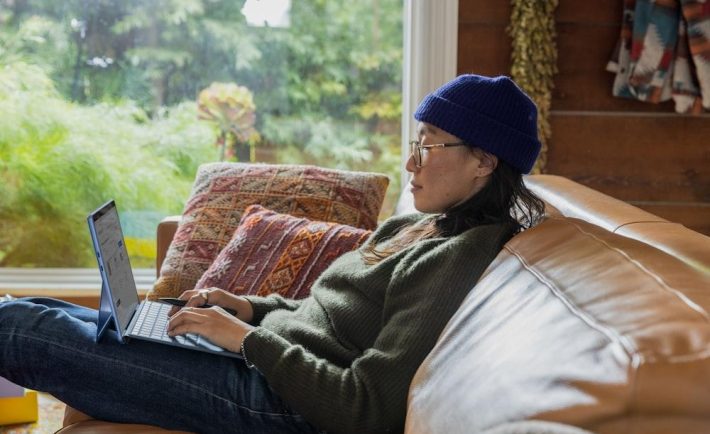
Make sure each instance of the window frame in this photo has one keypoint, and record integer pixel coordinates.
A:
(429, 60)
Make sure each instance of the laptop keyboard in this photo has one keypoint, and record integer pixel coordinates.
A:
(152, 323)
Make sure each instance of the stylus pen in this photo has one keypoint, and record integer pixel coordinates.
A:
(181, 303)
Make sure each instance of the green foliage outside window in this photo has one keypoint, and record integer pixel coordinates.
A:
(98, 100)
(59, 160)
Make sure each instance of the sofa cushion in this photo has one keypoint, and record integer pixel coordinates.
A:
(222, 191)
(573, 324)
(279, 253)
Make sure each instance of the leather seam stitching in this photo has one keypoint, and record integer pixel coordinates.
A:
(648, 273)
(642, 222)
(635, 358)
(590, 321)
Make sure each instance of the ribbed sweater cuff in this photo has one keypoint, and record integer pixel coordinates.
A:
(261, 306)
(263, 348)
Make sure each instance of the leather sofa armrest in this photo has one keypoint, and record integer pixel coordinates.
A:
(166, 231)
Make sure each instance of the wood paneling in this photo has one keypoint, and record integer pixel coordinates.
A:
(488, 11)
(695, 216)
(483, 49)
(639, 152)
(582, 81)
(589, 12)
(92, 302)
(568, 11)
(633, 156)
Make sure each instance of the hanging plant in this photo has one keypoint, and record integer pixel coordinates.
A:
(534, 60)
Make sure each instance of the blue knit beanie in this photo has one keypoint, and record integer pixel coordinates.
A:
(491, 113)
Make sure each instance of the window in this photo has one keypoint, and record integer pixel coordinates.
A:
(124, 99)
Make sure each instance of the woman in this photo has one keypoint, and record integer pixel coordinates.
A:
(342, 359)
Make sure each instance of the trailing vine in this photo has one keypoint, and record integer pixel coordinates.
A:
(534, 60)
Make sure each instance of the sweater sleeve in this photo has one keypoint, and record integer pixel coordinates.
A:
(263, 305)
(370, 395)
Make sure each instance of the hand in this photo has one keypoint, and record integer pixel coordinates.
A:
(221, 328)
(217, 297)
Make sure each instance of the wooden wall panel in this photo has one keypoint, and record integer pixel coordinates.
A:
(693, 215)
(638, 152)
(604, 12)
(483, 44)
(635, 157)
(582, 81)
(484, 11)
(483, 49)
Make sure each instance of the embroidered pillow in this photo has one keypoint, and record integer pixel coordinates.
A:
(279, 253)
(222, 191)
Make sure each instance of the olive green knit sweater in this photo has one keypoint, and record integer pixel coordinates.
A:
(345, 356)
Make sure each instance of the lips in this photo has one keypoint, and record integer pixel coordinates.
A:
(414, 187)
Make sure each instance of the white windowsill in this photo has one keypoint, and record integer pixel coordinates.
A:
(63, 281)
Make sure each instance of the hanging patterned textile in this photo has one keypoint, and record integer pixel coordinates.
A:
(664, 53)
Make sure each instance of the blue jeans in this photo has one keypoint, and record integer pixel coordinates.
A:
(50, 345)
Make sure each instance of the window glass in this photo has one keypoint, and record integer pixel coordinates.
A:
(109, 99)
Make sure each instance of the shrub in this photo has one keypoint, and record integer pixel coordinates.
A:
(60, 160)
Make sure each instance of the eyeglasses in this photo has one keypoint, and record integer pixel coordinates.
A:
(415, 148)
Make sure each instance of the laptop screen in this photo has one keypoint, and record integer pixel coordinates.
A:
(113, 260)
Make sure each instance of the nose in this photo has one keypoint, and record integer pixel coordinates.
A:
(410, 166)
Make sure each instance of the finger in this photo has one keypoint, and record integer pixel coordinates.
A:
(218, 310)
(189, 313)
(199, 298)
(184, 316)
(185, 329)
(184, 296)
(188, 321)
(195, 301)
(215, 295)
(175, 309)
(187, 294)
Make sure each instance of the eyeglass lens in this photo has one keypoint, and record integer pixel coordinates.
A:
(415, 150)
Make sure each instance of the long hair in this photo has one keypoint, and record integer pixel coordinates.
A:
(504, 199)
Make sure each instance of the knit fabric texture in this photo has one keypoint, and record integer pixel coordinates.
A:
(493, 114)
(345, 356)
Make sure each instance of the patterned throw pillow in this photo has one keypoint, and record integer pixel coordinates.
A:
(222, 191)
(279, 253)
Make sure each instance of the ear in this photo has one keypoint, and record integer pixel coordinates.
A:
(488, 163)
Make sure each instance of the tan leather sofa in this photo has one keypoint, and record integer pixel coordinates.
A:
(596, 318)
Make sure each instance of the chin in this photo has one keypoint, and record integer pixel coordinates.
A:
(426, 209)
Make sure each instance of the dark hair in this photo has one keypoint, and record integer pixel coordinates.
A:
(504, 199)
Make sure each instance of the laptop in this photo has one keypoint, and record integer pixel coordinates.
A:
(120, 305)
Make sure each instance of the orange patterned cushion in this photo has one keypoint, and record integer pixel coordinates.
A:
(222, 191)
(279, 253)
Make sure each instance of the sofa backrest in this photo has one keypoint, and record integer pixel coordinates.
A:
(565, 197)
(597, 317)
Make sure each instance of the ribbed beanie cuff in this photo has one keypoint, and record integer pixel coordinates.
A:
(493, 114)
